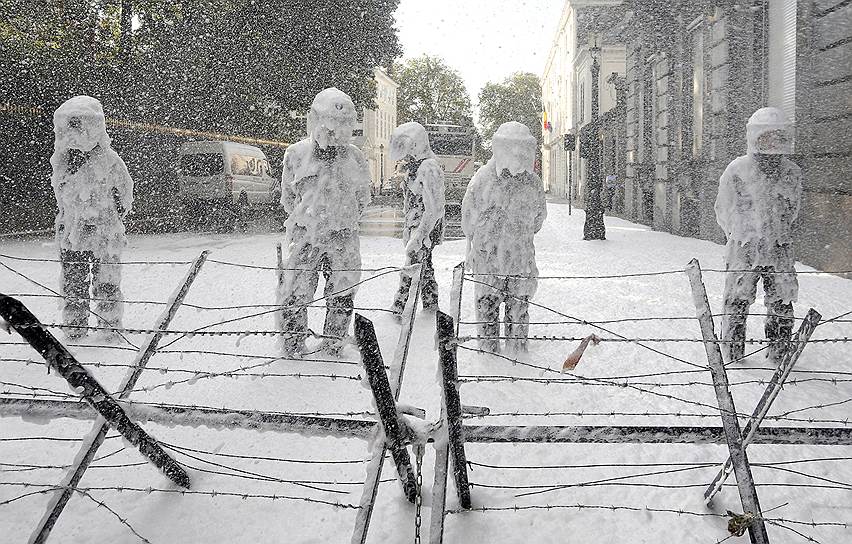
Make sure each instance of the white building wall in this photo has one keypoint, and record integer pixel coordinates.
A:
(377, 125)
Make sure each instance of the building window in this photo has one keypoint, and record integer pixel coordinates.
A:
(782, 57)
(581, 105)
(698, 88)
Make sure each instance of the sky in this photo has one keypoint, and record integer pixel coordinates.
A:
(485, 40)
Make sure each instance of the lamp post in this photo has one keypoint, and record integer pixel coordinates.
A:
(593, 228)
(381, 167)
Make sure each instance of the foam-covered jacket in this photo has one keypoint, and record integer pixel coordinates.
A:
(324, 196)
(500, 216)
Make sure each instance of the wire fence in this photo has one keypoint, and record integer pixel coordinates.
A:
(673, 390)
(245, 467)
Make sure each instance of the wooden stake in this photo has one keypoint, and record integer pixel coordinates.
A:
(374, 366)
(775, 385)
(280, 264)
(96, 437)
(442, 442)
(374, 467)
(452, 405)
(730, 423)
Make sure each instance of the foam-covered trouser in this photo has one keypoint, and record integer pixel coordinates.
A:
(338, 257)
(429, 287)
(515, 298)
(85, 277)
(781, 289)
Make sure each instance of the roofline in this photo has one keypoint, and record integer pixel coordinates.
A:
(568, 6)
(379, 72)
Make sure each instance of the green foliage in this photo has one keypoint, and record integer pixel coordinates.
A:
(517, 98)
(230, 66)
(431, 92)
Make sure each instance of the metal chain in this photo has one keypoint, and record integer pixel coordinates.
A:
(418, 500)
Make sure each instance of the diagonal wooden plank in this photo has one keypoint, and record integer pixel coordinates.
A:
(452, 405)
(365, 335)
(442, 439)
(730, 423)
(374, 467)
(96, 436)
(772, 390)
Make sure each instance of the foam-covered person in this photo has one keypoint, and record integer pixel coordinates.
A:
(325, 186)
(502, 210)
(424, 202)
(759, 198)
(94, 193)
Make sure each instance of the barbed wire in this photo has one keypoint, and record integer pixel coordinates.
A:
(267, 458)
(46, 288)
(24, 467)
(237, 372)
(536, 338)
(276, 269)
(545, 488)
(783, 526)
(305, 358)
(654, 273)
(197, 306)
(645, 464)
(123, 521)
(46, 438)
(256, 476)
(562, 314)
(550, 381)
(214, 409)
(36, 389)
(683, 372)
(181, 491)
(614, 413)
(268, 312)
(170, 370)
(621, 481)
(640, 389)
(652, 318)
(87, 346)
(187, 333)
(129, 263)
(614, 507)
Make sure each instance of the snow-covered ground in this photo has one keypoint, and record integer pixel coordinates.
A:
(168, 517)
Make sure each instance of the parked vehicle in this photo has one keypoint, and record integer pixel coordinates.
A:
(453, 147)
(225, 180)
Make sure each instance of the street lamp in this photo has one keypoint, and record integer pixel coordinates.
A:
(594, 228)
(381, 166)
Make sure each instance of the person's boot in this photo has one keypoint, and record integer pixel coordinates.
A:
(778, 329)
(337, 317)
(488, 314)
(429, 295)
(399, 301)
(734, 330)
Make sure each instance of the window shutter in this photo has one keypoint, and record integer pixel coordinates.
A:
(782, 56)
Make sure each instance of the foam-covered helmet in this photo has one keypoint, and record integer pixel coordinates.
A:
(514, 148)
(332, 118)
(769, 132)
(410, 140)
(79, 123)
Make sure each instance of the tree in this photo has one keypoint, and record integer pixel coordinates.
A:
(430, 91)
(244, 65)
(517, 98)
(230, 66)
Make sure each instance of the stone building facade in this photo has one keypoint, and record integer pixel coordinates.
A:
(694, 72)
(567, 87)
(375, 128)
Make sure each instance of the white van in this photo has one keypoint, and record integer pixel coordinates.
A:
(225, 172)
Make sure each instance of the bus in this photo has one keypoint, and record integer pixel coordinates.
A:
(453, 147)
